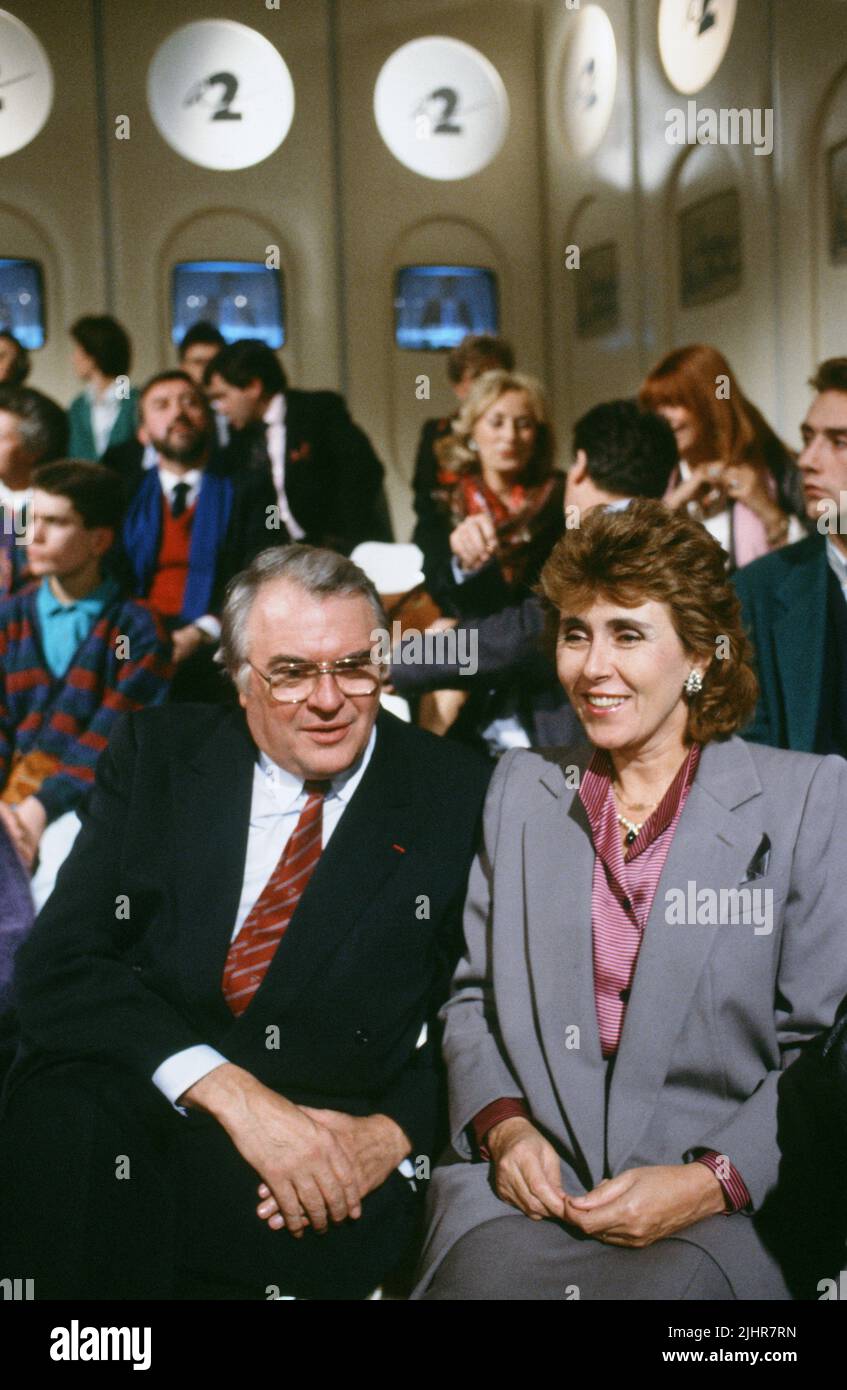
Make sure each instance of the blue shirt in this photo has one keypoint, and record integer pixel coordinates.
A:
(65, 626)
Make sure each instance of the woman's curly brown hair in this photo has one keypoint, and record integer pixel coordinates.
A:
(647, 552)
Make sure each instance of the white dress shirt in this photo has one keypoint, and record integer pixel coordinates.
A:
(276, 437)
(15, 501)
(837, 563)
(169, 479)
(194, 477)
(105, 409)
(278, 798)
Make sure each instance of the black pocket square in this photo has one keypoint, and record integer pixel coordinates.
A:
(758, 866)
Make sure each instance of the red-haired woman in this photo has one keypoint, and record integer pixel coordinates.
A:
(735, 474)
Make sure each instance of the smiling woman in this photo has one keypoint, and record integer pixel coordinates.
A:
(650, 648)
(580, 1034)
(641, 599)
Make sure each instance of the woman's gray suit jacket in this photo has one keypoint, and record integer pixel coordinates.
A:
(717, 1010)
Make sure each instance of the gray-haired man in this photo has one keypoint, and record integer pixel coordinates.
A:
(230, 982)
(33, 430)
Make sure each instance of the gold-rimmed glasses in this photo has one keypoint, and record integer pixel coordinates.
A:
(293, 682)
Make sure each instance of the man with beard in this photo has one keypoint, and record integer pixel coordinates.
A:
(177, 534)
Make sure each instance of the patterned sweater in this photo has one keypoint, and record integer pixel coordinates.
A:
(123, 665)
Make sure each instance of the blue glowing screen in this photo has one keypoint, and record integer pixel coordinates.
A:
(244, 299)
(436, 306)
(22, 300)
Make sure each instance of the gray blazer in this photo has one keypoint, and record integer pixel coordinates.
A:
(716, 1011)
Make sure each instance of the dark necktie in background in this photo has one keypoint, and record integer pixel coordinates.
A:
(258, 457)
(253, 949)
(179, 498)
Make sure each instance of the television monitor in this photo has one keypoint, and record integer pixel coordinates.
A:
(244, 299)
(436, 306)
(22, 301)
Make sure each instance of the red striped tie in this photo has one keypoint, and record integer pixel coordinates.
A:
(253, 949)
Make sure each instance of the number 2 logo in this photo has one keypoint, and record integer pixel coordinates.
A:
(228, 85)
(441, 122)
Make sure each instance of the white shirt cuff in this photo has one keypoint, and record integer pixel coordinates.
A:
(459, 574)
(177, 1073)
(210, 625)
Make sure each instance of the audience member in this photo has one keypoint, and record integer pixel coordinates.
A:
(279, 1003)
(734, 475)
(619, 451)
(201, 343)
(33, 430)
(105, 412)
(795, 601)
(179, 533)
(500, 509)
(75, 652)
(304, 470)
(624, 1011)
(476, 353)
(14, 360)
(493, 520)
(132, 457)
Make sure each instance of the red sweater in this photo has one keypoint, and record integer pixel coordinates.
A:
(168, 587)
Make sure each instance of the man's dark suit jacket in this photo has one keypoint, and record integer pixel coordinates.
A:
(425, 477)
(784, 603)
(126, 460)
(333, 478)
(364, 963)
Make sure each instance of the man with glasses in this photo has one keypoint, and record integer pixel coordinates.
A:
(230, 984)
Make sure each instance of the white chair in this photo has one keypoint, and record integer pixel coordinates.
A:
(392, 568)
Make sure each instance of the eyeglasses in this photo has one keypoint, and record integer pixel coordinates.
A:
(294, 683)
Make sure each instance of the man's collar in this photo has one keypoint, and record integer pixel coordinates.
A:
(15, 500)
(169, 478)
(94, 600)
(289, 785)
(275, 413)
(837, 560)
(109, 393)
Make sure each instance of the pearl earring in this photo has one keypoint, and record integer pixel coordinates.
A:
(693, 683)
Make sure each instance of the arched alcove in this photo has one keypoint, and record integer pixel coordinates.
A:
(431, 241)
(23, 235)
(230, 234)
(828, 191)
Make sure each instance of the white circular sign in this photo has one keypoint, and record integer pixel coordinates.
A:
(693, 38)
(589, 79)
(26, 84)
(441, 108)
(220, 94)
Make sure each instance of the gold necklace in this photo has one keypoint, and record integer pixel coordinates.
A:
(632, 828)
